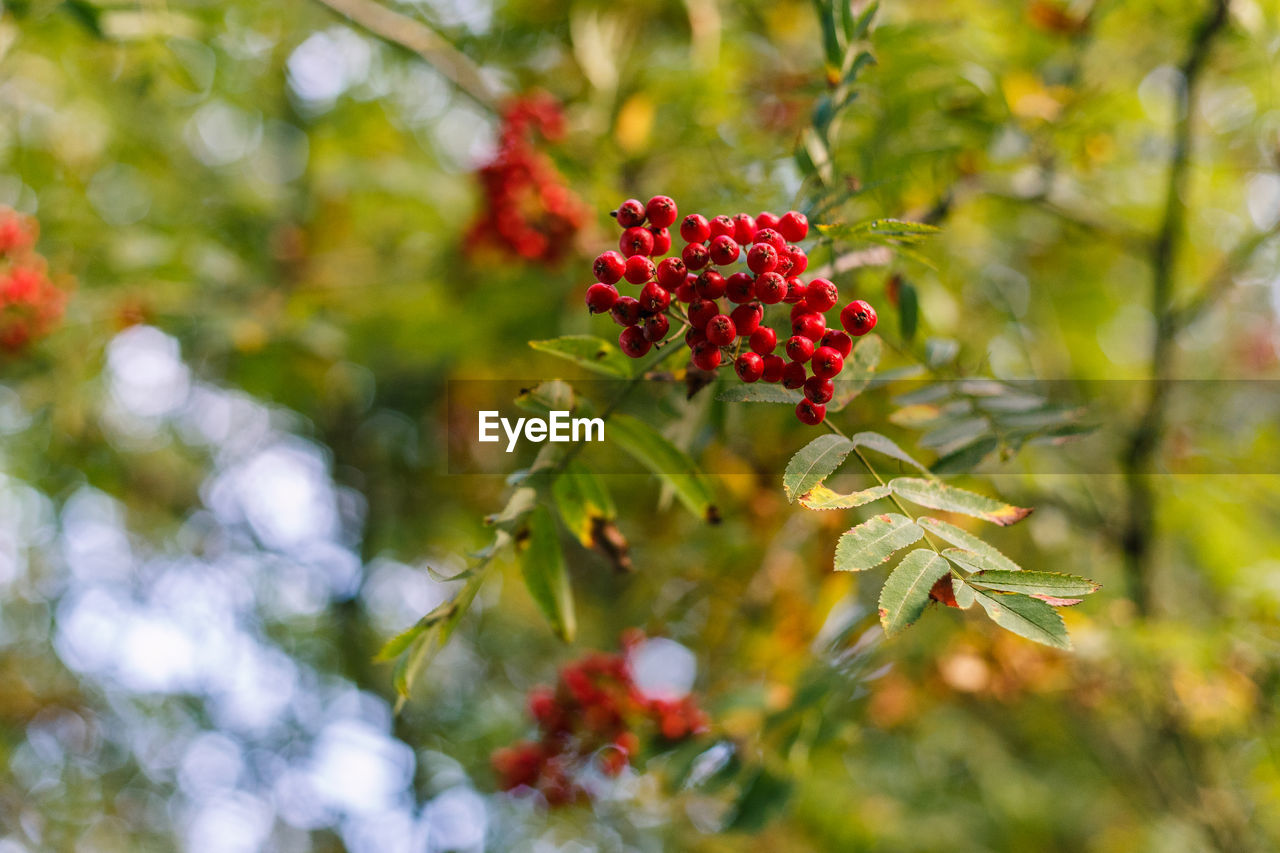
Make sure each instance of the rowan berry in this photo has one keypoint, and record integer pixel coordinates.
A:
(661, 211)
(639, 269)
(799, 260)
(819, 389)
(793, 375)
(774, 365)
(858, 318)
(633, 342)
(744, 228)
(822, 295)
(695, 256)
(746, 318)
(721, 226)
(785, 266)
(609, 267)
(706, 355)
(695, 228)
(721, 330)
(630, 213)
(799, 349)
(749, 366)
(810, 413)
(772, 237)
(827, 362)
(709, 285)
(693, 337)
(685, 292)
(625, 311)
(655, 327)
(654, 298)
(600, 297)
(763, 340)
(723, 250)
(701, 311)
(811, 326)
(771, 288)
(762, 258)
(765, 219)
(794, 226)
(661, 241)
(838, 341)
(796, 290)
(671, 273)
(636, 241)
(740, 287)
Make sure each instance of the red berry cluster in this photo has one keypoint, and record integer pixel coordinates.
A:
(528, 208)
(595, 712)
(30, 304)
(688, 288)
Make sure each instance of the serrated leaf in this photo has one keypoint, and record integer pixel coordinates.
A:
(813, 463)
(1034, 583)
(667, 462)
(906, 591)
(878, 230)
(820, 498)
(974, 561)
(886, 446)
(968, 542)
(938, 495)
(873, 542)
(593, 353)
(1025, 616)
(908, 310)
(583, 502)
(963, 593)
(955, 432)
(545, 575)
(758, 392)
(965, 457)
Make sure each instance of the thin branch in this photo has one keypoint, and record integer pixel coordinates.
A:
(1217, 286)
(417, 37)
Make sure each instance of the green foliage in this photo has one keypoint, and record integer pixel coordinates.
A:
(906, 592)
(543, 567)
(593, 353)
(667, 462)
(874, 541)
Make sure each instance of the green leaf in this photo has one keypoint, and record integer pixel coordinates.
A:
(966, 457)
(908, 309)
(885, 445)
(873, 542)
(1025, 616)
(590, 352)
(758, 392)
(555, 395)
(813, 463)
(583, 502)
(519, 505)
(973, 562)
(861, 59)
(863, 24)
(938, 495)
(1034, 583)
(940, 351)
(963, 593)
(542, 564)
(670, 464)
(827, 18)
(857, 372)
(954, 432)
(966, 540)
(878, 230)
(906, 591)
(820, 497)
(762, 797)
(400, 643)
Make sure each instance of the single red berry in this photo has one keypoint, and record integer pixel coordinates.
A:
(812, 326)
(746, 318)
(630, 213)
(693, 337)
(721, 226)
(661, 241)
(654, 298)
(793, 375)
(671, 273)
(709, 285)
(799, 348)
(798, 310)
(723, 250)
(796, 290)
(609, 267)
(822, 295)
(695, 256)
(639, 269)
(764, 340)
(661, 211)
(749, 366)
(542, 706)
(721, 331)
(765, 219)
(695, 228)
(685, 292)
(838, 341)
(762, 258)
(772, 237)
(774, 365)
(785, 267)
(701, 311)
(655, 327)
(625, 311)
(858, 318)
(600, 297)
(811, 413)
(633, 342)
(740, 287)
(799, 260)
(794, 226)
(827, 362)
(819, 389)
(636, 241)
(744, 228)
(771, 288)
(706, 355)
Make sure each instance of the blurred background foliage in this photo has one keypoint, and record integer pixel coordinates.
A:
(224, 477)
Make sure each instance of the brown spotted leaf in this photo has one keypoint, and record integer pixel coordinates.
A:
(906, 592)
(938, 495)
(820, 497)
(873, 542)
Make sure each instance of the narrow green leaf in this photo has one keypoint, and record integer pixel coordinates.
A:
(827, 18)
(542, 564)
(860, 60)
(885, 445)
(1025, 616)
(872, 542)
(967, 541)
(863, 24)
(583, 502)
(762, 797)
(877, 230)
(667, 462)
(820, 497)
(813, 463)
(590, 352)
(400, 643)
(519, 505)
(963, 593)
(906, 591)
(1034, 583)
(966, 457)
(954, 432)
(973, 562)
(908, 310)
(938, 495)
(758, 392)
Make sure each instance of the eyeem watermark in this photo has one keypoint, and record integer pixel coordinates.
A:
(559, 427)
